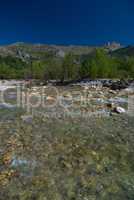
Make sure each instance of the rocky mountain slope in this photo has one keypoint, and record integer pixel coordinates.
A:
(124, 52)
(27, 51)
(40, 51)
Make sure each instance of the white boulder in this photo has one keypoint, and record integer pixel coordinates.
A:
(119, 110)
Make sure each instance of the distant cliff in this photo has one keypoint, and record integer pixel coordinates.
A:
(40, 51)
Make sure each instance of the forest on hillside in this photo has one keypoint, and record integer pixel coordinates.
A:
(99, 64)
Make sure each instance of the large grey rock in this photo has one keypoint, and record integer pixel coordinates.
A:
(27, 118)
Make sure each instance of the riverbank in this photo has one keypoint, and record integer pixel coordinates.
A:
(57, 151)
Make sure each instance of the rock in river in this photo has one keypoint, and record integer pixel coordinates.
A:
(119, 110)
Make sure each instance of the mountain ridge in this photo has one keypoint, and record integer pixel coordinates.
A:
(31, 51)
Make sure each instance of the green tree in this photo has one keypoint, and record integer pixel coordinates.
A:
(70, 68)
(100, 65)
(38, 70)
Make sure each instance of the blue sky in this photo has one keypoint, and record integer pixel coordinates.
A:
(91, 22)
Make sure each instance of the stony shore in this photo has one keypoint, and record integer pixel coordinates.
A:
(68, 156)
